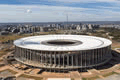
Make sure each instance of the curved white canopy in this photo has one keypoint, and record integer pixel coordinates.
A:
(88, 42)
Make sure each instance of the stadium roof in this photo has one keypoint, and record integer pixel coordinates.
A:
(56, 42)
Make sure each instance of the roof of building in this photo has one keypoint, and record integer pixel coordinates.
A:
(62, 42)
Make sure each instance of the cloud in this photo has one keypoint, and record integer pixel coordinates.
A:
(44, 13)
(85, 1)
(29, 11)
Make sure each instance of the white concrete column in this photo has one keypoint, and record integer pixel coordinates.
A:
(83, 53)
(45, 58)
(101, 54)
(35, 56)
(50, 58)
(67, 59)
(30, 55)
(72, 61)
(15, 51)
(63, 59)
(96, 55)
(90, 57)
(18, 52)
(38, 55)
(55, 58)
(76, 59)
(93, 57)
(41, 57)
(59, 57)
(81, 58)
(21, 54)
(25, 54)
(85, 58)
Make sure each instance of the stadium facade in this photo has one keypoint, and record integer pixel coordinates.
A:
(63, 52)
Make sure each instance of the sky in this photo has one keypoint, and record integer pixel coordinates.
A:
(57, 10)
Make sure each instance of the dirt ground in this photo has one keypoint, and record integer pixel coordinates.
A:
(115, 44)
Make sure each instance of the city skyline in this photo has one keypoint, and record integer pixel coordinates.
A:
(56, 10)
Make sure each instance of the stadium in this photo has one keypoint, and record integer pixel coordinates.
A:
(63, 52)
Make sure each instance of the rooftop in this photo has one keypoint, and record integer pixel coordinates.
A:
(62, 42)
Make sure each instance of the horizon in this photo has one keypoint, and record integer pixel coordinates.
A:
(61, 22)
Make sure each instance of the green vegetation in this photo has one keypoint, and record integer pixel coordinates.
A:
(91, 78)
(14, 37)
(111, 73)
(33, 77)
(11, 71)
(100, 33)
(4, 52)
(84, 79)
(72, 78)
(114, 32)
(113, 47)
(111, 32)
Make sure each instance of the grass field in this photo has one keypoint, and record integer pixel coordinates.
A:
(91, 78)
(111, 73)
(12, 37)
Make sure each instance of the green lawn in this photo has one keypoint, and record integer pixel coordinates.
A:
(91, 78)
(111, 73)
(84, 79)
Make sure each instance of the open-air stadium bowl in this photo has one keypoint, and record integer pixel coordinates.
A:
(63, 52)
